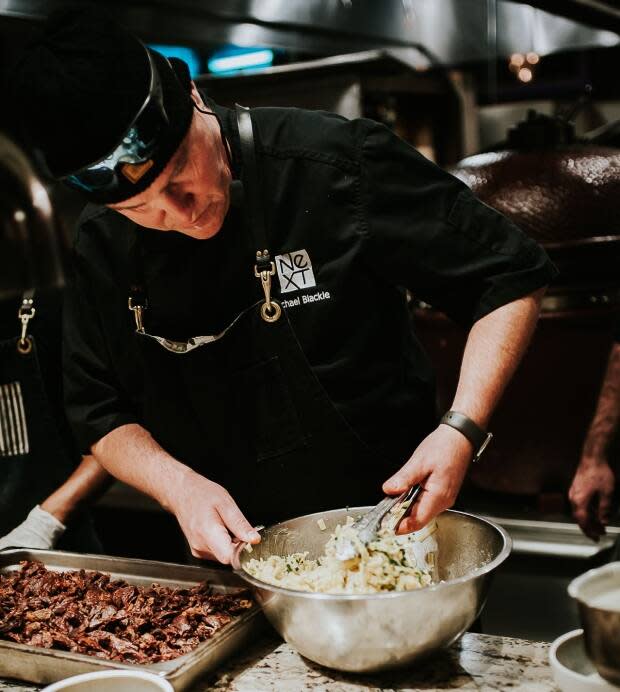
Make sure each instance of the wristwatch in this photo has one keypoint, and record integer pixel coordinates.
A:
(473, 432)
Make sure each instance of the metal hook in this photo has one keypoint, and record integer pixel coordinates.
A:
(270, 310)
(138, 311)
(25, 313)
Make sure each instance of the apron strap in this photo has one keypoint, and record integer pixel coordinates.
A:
(254, 207)
(264, 268)
(137, 301)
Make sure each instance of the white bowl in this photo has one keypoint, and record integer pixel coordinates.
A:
(117, 680)
(597, 593)
(572, 669)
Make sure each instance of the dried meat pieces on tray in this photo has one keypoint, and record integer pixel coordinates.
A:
(91, 613)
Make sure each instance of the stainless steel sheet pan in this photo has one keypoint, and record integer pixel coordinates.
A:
(44, 666)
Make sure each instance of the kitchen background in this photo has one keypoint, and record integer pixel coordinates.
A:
(522, 101)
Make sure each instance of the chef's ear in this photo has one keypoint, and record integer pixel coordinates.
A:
(197, 99)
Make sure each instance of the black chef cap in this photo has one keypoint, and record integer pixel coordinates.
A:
(79, 87)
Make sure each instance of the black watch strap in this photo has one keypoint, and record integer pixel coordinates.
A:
(473, 432)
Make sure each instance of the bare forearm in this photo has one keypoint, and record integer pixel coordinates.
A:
(607, 412)
(494, 348)
(131, 454)
(83, 486)
(207, 514)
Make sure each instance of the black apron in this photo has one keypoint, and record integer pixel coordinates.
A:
(34, 459)
(245, 408)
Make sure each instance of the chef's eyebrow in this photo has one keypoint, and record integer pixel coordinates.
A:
(179, 165)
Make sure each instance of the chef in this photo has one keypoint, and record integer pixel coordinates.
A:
(238, 342)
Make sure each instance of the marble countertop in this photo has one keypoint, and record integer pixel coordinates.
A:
(475, 662)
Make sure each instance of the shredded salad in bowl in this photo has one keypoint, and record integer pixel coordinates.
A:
(389, 563)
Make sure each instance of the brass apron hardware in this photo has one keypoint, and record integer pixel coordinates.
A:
(138, 315)
(272, 316)
(270, 310)
(24, 346)
(25, 313)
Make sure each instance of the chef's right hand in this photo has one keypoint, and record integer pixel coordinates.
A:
(591, 495)
(211, 519)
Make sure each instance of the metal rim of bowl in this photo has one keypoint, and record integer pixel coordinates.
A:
(576, 584)
(495, 562)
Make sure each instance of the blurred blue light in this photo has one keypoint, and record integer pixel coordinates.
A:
(233, 59)
(188, 55)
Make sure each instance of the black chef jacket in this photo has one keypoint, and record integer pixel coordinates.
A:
(354, 216)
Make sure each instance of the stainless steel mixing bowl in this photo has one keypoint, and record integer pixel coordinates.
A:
(367, 633)
(597, 593)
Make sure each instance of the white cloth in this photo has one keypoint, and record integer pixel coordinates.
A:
(40, 529)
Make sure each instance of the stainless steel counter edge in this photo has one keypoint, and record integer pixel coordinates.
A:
(558, 539)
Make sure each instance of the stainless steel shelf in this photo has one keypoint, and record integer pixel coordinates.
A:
(559, 539)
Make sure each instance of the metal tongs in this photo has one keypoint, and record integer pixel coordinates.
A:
(389, 512)
(238, 546)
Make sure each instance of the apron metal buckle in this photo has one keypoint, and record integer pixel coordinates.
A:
(270, 310)
(25, 313)
(138, 311)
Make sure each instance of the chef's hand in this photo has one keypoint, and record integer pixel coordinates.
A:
(211, 520)
(40, 530)
(439, 464)
(591, 494)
